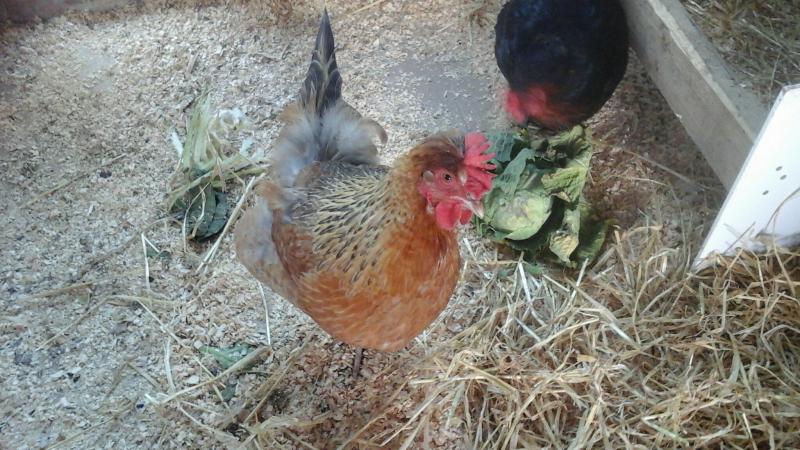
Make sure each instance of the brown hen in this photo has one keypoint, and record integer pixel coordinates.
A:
(369, 252)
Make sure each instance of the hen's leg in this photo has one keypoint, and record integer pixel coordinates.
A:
(357, 361)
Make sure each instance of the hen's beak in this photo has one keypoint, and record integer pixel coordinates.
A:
(476, 206)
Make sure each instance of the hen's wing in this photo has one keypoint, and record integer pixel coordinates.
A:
(329, 211)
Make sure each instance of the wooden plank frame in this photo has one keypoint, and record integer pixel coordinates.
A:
(721, 117)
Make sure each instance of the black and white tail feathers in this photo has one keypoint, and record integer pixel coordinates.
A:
(321, 126)
(323, 84)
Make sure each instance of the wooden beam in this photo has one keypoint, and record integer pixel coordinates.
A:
(721, 117)
(22, 11)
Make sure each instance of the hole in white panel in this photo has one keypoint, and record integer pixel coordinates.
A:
(783, 177)
(779, 168)
(765, 193)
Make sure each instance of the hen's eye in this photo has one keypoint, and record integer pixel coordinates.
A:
(447, 177)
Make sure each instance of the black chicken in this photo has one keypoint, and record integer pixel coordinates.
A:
(562, 58)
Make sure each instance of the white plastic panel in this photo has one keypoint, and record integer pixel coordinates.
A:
(764, 201)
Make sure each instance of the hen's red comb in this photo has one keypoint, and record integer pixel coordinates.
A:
(479, 179)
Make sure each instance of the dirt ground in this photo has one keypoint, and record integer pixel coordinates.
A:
(91, 99)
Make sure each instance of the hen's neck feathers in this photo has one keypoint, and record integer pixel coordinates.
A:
(402, 180)
(364, 210)
(397, 196)
(368, 214)
(381, 197)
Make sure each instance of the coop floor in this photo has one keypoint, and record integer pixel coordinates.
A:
(91, 100)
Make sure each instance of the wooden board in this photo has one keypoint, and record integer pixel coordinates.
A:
(22, 11)
(721, 117)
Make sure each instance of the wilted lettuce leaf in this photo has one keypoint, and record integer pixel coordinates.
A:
(523, 214)
(229, 391)
(207, 213)
(502, 146)
(571, 143)
(564, 241)
(209, 160)
(228, 356)
(530, 268)
(567, 183)
(536, 203)
(509, 179)
(591, 241)
(592, 235)
(539, 241)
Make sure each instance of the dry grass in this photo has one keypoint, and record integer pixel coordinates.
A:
(629, 353)
(634, 354)
(760, 39)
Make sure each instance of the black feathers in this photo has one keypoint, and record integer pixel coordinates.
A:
(576, 50)
(323, 84)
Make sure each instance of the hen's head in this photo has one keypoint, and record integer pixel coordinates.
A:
(539, 104)
(454, 175)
